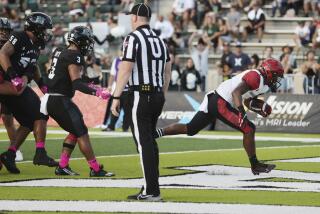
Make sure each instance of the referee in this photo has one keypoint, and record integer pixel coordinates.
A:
(145, 67)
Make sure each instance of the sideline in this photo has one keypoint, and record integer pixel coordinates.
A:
(150, 207)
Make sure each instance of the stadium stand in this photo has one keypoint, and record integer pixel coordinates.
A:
(281, 23)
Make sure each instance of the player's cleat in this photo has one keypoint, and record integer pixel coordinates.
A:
(19, 156)
(100, 173)
(141, 197)
(65, 171)
(8, 160)
(41, 158)
(262, 168)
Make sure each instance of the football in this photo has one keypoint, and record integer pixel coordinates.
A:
(258, 106)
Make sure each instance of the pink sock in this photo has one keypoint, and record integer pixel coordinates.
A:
(94, 165)
(40, 145)
(12, 148)
(64, 160)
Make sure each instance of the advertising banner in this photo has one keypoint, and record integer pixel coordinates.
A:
(290, 114)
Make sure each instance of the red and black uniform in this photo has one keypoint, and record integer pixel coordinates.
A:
(219, 104)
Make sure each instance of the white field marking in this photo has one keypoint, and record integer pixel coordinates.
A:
(186, 152)
(208, 177)
(200, 136)
(151, 207)
(305, 160)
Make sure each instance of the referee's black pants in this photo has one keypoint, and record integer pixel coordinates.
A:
(145, 110)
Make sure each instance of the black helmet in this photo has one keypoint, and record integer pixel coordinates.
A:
(40, 25)
(82, 37)
(5, 30)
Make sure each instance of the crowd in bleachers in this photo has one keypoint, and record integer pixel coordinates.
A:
(196, 31)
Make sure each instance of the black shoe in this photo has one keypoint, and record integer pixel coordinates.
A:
(108, 129)
(8, 160)
(100, 173)
(262, 168)
(41, 158)
(65, 171)
(141, 197)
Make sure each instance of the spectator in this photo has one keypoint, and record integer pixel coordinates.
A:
(239, 61)
(200, 56)
(288, 59)
(92, 72)
(202, 8)
(302, 34)
(255, 61)
(32, 5)
(233, 21)
(211, 31)
(223, 32)
(175, 80)
(256, 24)
(183, 11)
(164, 27)
(126, 4)
(281, 5)
(190, 77)
(316, 35)
(311, 69)
(268, 52)
(216, 6)
(225, 69)
(310, 6)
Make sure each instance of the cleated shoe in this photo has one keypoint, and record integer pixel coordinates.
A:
(65, 171)
(262, 168)
(41, 158)
(141, 197)
(8, 160)
(100, 173)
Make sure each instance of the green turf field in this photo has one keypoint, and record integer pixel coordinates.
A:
(201, 171)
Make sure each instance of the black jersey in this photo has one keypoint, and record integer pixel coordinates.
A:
(26, 53)
(59, 80)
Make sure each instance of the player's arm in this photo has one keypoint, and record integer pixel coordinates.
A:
(39, 80)
(5, 53)
(237, 93)
(77, 84)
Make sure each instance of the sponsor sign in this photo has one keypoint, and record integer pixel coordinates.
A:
(291, 113)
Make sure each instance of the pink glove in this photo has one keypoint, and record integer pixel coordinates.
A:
(103, 93)
(17, 82)
(44, 89)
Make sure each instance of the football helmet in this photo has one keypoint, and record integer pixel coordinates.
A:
(82, 37)
(273, 71)
(40, 24)
(5, 30)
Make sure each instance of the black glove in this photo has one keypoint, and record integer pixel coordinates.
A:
(242, 116)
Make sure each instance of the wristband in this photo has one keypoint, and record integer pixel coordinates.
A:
(115, 98)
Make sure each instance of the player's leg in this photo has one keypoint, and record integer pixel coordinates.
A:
(7, 119)
(69, 117)
(230, 116)
(197, 123)
(67, 149)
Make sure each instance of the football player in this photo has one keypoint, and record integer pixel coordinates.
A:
(226, 104)
(63, 80)
(18, 58)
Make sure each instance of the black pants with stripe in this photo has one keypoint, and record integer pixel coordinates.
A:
(145, 110)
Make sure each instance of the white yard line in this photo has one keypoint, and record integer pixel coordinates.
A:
(186, 152)
(200, 136)
(151, 207)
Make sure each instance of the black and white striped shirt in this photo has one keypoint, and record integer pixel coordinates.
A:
(150, 55)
